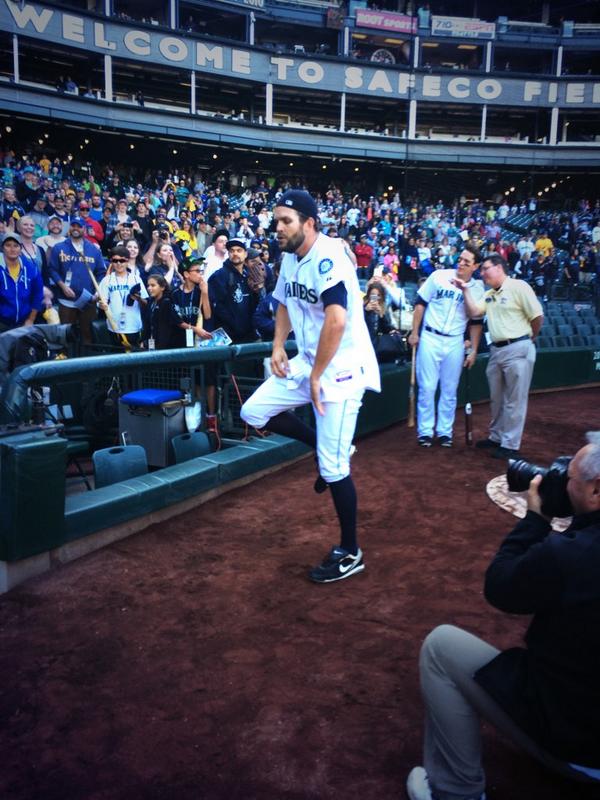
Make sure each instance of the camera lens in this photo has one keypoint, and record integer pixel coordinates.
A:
(520, 473)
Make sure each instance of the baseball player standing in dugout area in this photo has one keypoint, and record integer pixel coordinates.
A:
(441, 353)
(320, 300)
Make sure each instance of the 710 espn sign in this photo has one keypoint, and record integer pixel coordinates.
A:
(462, 27)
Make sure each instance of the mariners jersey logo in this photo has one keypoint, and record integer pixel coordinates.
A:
(325, 266)
(300, 291)
(238, 295)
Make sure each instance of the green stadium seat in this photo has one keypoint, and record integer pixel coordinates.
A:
(115, 464)
(190, 445)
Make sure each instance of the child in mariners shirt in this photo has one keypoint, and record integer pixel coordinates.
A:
(191, 304)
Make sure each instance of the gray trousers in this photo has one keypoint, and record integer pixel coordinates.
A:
(453, 706)
(509, 372)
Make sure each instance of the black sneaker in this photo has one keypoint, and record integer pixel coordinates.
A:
(505, 452)
(445, 441)
(425, 441)
(483, 444)
(339, 564)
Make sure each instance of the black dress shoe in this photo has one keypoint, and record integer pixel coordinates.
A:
(482, 444)
(505, 452)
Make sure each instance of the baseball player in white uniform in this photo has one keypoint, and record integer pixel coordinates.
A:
(441, 352)
(319, 298)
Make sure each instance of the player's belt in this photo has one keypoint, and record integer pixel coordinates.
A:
(504, 342)
(439, 333)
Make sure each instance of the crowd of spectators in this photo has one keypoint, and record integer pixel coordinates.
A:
(77, 227)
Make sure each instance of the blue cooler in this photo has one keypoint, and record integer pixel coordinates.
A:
(151, 418)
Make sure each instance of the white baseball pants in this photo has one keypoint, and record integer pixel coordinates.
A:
(335, 429)
(439, 360)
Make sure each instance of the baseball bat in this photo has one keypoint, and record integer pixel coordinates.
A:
(411, 390)
(468, 411)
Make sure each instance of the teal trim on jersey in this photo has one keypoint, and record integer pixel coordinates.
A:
(340, 433)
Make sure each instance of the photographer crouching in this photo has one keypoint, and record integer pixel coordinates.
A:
(544, 697)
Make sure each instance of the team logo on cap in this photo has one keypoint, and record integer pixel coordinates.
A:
(325, 266)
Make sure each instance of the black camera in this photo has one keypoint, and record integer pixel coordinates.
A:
(133, 294)
(552, 489)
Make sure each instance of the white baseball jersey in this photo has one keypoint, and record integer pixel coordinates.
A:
(445, 302)
(299, 287)
(115, 292)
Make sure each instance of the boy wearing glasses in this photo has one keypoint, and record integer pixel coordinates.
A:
(189, 300)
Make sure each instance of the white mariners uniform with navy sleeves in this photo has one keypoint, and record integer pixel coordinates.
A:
(440, 354)
(351, 371)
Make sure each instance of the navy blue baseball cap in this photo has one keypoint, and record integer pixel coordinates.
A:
(300, 201)
(78, 221)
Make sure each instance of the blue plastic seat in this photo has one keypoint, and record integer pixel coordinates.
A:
(190, 445)
(114, 464)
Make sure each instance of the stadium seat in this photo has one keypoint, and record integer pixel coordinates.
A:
(544, 342)
(190, 445)
(582, 329)
(114, 464)
(596, 328)
(556, 319)
(561, 341)
(593, 340)
(565, 330)
(577, 341)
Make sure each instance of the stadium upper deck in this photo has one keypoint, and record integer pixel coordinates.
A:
(317, 78)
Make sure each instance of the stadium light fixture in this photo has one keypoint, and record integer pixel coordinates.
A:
(324, 166)
(8, 129)
(87, 141)
(174, 152)
(46, 135)
(355, 169)
(215, 156)
(512, 188)
(540, 194)
(390, 188)
(507, 193)
(393, 41)
(554, 185)
(291, 163)
(430, 44)
(359, 36)
(467, 47)
(132, 147)
(40, 141)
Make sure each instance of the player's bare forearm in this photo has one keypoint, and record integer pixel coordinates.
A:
(536, 326)
(475, 332)
(283, 326)
(279, 359)
(471, 307)
(418, 312)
